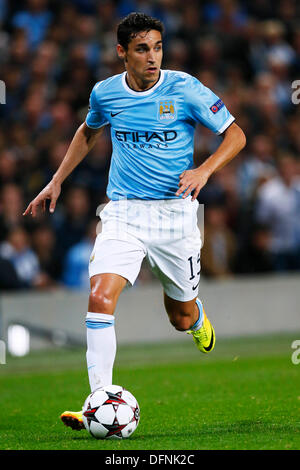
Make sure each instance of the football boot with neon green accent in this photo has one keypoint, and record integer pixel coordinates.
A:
(204, 338)
(73, 419)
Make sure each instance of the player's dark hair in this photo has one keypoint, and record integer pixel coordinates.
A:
(135, 23)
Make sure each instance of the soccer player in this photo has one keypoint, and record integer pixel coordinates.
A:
(152, 188)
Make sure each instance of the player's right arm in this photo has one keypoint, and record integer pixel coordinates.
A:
(83, 141)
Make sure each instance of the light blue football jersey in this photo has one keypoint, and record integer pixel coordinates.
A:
(152, 131)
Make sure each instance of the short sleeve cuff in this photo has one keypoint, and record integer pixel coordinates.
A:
(96, 127)
(226, 125)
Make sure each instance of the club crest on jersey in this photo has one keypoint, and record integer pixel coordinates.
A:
(166, 110)
(217, 106)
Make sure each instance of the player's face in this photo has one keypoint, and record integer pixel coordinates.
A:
(143, 59)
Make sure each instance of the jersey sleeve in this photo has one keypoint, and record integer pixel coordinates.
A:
(95, 117)
(204, 106)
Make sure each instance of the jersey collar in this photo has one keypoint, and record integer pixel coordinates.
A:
(142, 93)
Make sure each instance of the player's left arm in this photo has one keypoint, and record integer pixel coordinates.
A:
(234, 140)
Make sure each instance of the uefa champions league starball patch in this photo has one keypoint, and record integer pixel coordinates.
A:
(217, 106)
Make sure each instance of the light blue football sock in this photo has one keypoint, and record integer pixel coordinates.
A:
(197, 325)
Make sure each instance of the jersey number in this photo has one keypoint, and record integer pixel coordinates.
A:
(190, 259)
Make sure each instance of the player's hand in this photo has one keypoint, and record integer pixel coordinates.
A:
(192, 180)
(52, 192)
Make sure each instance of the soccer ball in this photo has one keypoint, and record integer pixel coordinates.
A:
(111, 412)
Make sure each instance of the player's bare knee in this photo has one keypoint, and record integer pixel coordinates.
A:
(100, 302)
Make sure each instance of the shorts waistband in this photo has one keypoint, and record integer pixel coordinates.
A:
(149, 202)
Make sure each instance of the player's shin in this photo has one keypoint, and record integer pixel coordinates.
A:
(101, 348)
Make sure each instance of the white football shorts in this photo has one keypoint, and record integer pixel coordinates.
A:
(164, 231)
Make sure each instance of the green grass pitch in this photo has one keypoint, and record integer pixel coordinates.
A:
(244, 395)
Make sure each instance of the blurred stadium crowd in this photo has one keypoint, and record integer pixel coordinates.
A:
(51, 54)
